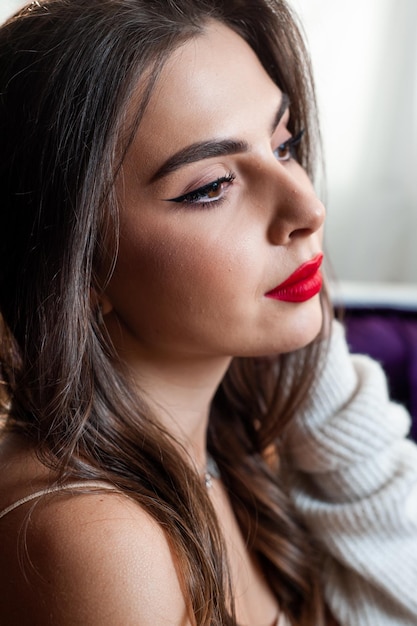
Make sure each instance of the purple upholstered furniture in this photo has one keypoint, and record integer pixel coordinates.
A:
(390, 337)
(383, 324)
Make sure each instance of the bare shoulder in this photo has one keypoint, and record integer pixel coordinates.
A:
(88, 558)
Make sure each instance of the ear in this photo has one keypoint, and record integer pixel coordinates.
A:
(105, 304)
(101, 302)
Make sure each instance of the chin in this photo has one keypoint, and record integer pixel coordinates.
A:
(307, 331)
(298, 330)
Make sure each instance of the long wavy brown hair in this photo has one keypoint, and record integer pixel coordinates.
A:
(68, 69)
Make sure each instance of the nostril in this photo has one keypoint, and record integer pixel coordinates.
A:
(301, 232)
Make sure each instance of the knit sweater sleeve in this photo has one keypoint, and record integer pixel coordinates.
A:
(355, 486)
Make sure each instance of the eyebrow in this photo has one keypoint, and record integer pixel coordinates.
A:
(213, 148)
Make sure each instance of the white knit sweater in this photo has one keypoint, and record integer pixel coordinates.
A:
(355, 485)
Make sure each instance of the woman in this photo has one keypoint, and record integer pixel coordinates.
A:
(183, 444)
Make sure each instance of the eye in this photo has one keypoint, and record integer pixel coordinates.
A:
(286, 150)
(211, 193)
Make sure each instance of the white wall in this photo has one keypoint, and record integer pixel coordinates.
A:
(364, 56)
(8, 7)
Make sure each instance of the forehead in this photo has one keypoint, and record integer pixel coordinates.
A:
(213, 86)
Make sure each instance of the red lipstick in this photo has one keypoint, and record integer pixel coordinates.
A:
(302, 285)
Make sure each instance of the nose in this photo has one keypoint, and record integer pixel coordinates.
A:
(297, 212)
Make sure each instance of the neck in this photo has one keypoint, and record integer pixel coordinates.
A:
(180, 392)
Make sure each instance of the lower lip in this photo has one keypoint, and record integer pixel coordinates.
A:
(299, 292)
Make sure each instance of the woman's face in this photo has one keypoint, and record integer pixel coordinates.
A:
(214, 215)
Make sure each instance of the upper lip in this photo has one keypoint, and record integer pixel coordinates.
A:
(306, 270)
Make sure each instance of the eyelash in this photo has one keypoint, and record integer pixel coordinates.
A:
(195, 197)
(289, 147)
(221, 184)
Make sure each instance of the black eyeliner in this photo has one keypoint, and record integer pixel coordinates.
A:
(193, 196)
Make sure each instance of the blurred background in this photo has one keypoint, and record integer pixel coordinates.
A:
(364, 55)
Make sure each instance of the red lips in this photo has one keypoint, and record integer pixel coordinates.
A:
(302, 285)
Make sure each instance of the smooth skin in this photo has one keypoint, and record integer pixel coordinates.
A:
(187, 294)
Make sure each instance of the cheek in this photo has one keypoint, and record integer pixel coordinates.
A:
(222, 266)
(197, 269)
